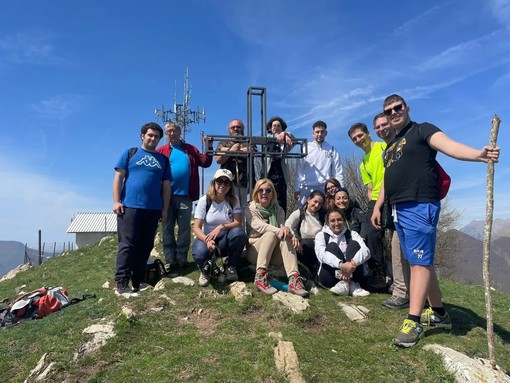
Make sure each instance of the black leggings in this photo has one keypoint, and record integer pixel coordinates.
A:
(327, 276)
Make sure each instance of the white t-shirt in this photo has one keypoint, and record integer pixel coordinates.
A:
(218, 214)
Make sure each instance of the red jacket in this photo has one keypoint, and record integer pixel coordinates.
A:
(196, 159)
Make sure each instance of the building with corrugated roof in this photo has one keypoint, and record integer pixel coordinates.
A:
(90, 228)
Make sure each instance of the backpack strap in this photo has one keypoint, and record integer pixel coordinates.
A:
(327, 236)
(83, 297)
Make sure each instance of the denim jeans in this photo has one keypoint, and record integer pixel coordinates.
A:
(230, 243)
(179, 212)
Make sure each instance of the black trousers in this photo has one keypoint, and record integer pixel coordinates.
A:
(374, 244)
(327, 276)
(136, 229)
(308, 257)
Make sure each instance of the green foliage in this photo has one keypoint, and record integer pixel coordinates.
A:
(203, 336)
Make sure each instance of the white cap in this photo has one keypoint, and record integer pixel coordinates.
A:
(223, 173)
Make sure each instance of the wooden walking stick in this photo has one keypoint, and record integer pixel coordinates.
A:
(487, 243)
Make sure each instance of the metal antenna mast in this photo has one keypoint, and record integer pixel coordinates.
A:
(184, 116)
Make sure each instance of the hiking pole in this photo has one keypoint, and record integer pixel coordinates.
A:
(489, 209)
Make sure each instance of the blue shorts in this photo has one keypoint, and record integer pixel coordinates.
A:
(416, 225)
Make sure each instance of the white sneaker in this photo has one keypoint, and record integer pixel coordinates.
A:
(341, 288)
(203, 280)
(356, 291)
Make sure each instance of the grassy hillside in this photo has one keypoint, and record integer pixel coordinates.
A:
(203, 336)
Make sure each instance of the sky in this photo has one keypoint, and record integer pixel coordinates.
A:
(79, 79)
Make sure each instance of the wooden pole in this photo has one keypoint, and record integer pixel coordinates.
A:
(487, 243)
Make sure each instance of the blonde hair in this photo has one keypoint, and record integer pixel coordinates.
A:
(229, 196)
(255, 193)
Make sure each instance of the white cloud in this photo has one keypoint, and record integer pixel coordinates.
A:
(421, 19)
(28, 47)
(501, 11)
(31, 201)
(58, 106)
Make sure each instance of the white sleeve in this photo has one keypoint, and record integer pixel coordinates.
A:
(337, 170)
(292, 221)
(200, 208)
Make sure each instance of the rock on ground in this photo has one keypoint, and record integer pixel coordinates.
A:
(286, 361)
(101, 333)
(294, 302)
(466, 369)
(240, 291)
(355, 313)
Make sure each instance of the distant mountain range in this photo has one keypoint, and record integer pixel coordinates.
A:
(12, 254)
(467, 267)
(500, 228)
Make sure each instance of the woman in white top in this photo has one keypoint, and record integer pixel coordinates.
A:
(304, 224)
(340, 252)
(218, 227)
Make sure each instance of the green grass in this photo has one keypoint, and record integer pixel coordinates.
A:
(212, 338)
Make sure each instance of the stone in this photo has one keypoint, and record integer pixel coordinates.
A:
(128, 313)
(101, 333)
(106, 285)
(240, 291)
(287, 362)
(160, 285)
(355, 313)
(466, 369)
(294, 302)
(184, 280)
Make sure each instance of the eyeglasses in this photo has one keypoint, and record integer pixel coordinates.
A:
(222, 181)
(332, 189)
(396, 108)
(266, 190)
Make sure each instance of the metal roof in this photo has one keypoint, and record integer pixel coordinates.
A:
(93, 223)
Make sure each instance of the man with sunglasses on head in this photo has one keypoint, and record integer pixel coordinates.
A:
(184, 162)
(237, 164)
(411, 184)
(321, 163)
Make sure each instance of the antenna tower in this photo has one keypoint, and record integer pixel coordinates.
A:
(184, 116)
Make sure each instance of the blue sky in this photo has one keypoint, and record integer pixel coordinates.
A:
(78, 79)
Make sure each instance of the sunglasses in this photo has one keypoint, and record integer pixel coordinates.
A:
(396, 108)
(332, 189)
(236, 127)
(221, 181)
(266, 190)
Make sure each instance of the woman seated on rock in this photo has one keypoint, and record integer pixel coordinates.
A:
(304, 224)
(218, 228)
(269, 240)
(355, 217)
(330, 188)
(341, 253)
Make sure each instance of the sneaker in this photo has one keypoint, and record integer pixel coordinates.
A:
(203, 279)
(231, 274)
(409, 334)
(140, 287)
(430, 318)
(356, 291)
(296, 285)
(396, 302)
(341, 288)
(123, 289)
(262, 284)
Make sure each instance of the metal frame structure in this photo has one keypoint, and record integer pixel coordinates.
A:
(259, 143)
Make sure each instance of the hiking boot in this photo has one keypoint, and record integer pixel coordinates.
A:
(430, 318)
(396, 302)
(341, 288)
(355, 290)
(123, 289)
(409, 334)
(231, 274)
(262, 284)
(203, 279)
(296, 285)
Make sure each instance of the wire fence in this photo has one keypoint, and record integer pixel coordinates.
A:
(48, 250)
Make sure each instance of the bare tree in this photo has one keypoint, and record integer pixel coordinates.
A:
(353, 181)
(447, 242)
